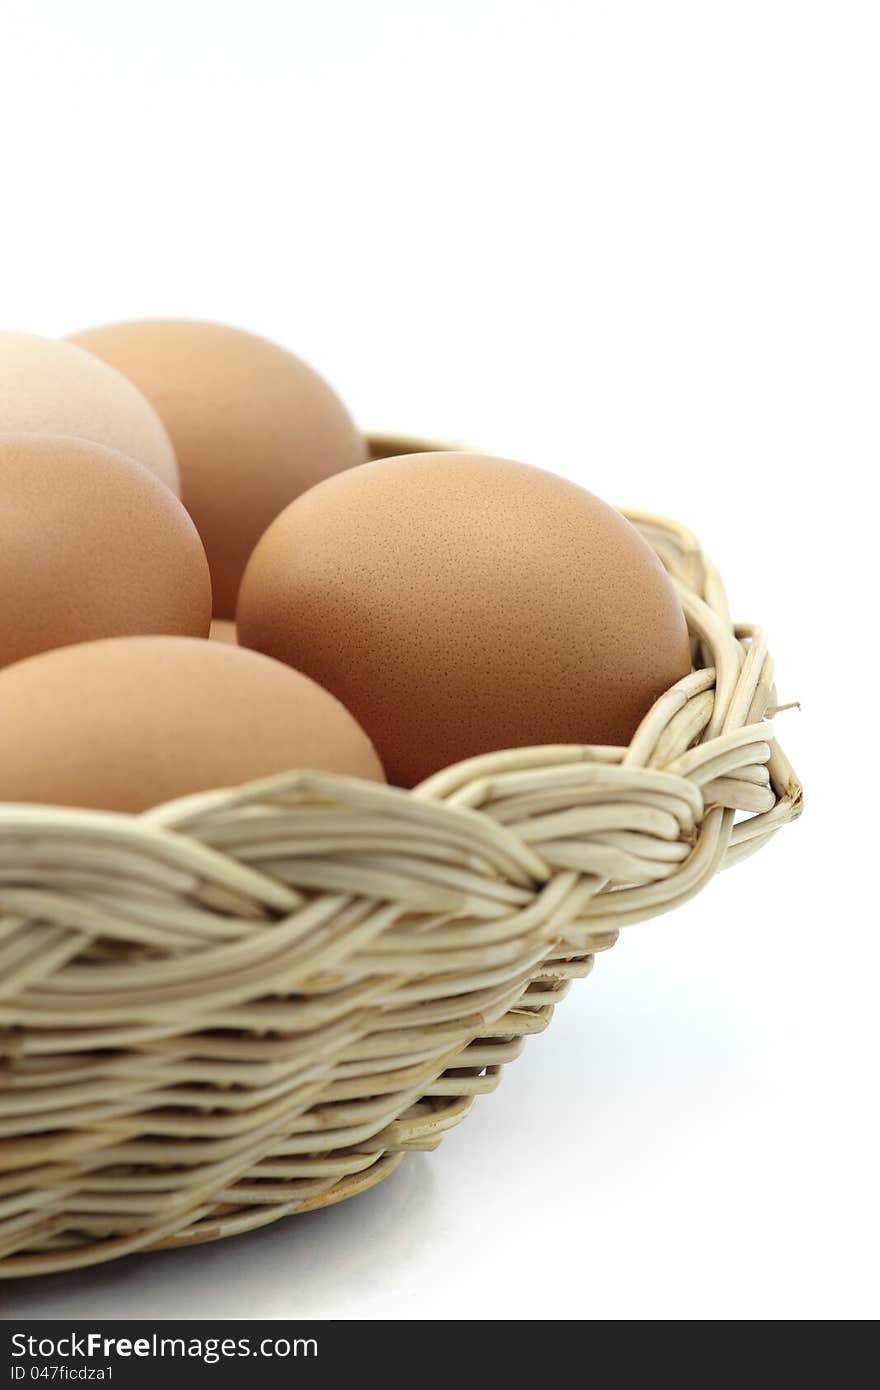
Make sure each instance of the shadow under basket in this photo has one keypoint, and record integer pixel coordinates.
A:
(255, 1002)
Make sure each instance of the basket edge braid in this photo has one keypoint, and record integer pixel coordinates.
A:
(255, 1002)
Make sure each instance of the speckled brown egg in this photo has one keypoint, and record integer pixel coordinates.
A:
(252, 427)
(53, 387)
(128, 723)
(92, 545)
(458, 604)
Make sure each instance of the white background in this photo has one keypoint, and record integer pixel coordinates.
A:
(637, 243)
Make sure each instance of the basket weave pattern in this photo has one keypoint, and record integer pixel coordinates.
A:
(255, 1002)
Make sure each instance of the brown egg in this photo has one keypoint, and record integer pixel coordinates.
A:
(51, 387)
(458, 603)
(91, 545)
(128, 723)
(252, 426)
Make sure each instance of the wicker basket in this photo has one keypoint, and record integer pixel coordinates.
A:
(255, 1002)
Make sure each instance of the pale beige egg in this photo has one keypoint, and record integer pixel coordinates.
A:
(49, 386)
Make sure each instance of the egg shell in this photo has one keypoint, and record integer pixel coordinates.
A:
(92, 545)
(459, 603)
(128, 723)
(252, 426)
(49, 386)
